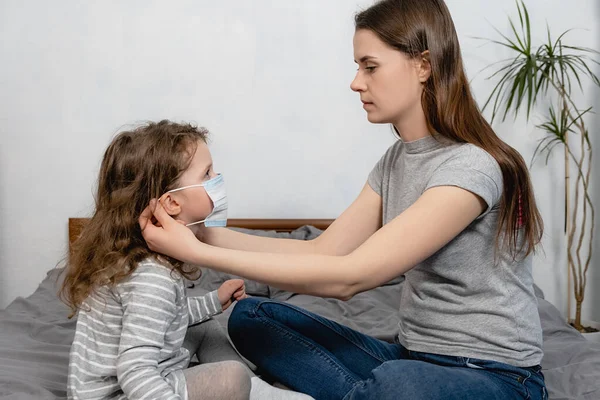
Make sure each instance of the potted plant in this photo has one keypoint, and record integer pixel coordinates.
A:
(553, 71)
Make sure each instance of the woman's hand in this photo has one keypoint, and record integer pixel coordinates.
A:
(166, 235)
(230, 291)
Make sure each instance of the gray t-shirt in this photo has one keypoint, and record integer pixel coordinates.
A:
(467, 299)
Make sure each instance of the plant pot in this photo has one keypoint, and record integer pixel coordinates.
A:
(592, 336)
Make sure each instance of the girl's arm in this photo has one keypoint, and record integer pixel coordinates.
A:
(347, 232)
(431, 222)
(201, 308)
(149, 308)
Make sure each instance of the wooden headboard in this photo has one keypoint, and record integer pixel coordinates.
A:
(279, 225)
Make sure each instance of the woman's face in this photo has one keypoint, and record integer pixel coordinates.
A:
(388, 81)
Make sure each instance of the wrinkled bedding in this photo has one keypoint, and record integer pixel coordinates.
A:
(35, 334)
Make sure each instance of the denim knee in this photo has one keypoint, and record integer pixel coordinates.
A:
(241, 315)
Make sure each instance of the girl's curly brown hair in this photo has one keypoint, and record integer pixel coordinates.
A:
(137, 166)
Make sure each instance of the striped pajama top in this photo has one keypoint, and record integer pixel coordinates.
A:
(128, 340)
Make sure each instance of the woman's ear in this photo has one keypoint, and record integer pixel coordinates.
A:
(424, 67)
(171, 205)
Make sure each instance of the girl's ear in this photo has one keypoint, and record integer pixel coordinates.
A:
(424, 67)
(171, 205)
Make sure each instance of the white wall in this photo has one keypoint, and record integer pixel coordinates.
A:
(270, 79)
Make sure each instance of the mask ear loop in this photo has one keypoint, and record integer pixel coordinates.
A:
(195, 223)
(186, 187)
(176, 190)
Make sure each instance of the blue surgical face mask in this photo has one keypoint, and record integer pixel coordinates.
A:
(215, 188)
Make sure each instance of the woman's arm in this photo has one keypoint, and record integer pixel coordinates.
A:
(431, 222)
(345, 234)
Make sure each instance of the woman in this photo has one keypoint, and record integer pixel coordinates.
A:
(450, 206)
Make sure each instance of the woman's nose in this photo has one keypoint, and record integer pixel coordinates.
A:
(357, 84)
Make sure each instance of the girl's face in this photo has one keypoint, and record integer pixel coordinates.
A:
(388, 81)
(192, 204)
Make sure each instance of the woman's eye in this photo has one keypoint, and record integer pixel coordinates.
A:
(370, 69)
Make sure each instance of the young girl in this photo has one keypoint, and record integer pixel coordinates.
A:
(450, 206)
(133, 313)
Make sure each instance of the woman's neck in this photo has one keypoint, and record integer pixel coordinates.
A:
(413, 127)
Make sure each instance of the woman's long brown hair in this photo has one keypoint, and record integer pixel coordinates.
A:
(417, 26)
(137, 166)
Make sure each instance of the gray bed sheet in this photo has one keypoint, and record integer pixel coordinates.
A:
(35, 335)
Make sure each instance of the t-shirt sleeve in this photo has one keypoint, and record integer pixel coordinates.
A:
(376, 177)
(474, 170)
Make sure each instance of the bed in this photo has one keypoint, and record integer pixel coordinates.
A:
(35, 334)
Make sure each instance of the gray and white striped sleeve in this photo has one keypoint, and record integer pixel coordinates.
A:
(149, 306)
(201, 308)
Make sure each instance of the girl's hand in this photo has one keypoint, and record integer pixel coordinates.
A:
(166, 235)
(230, 291)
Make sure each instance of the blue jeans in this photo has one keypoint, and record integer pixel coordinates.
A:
(326, 360)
